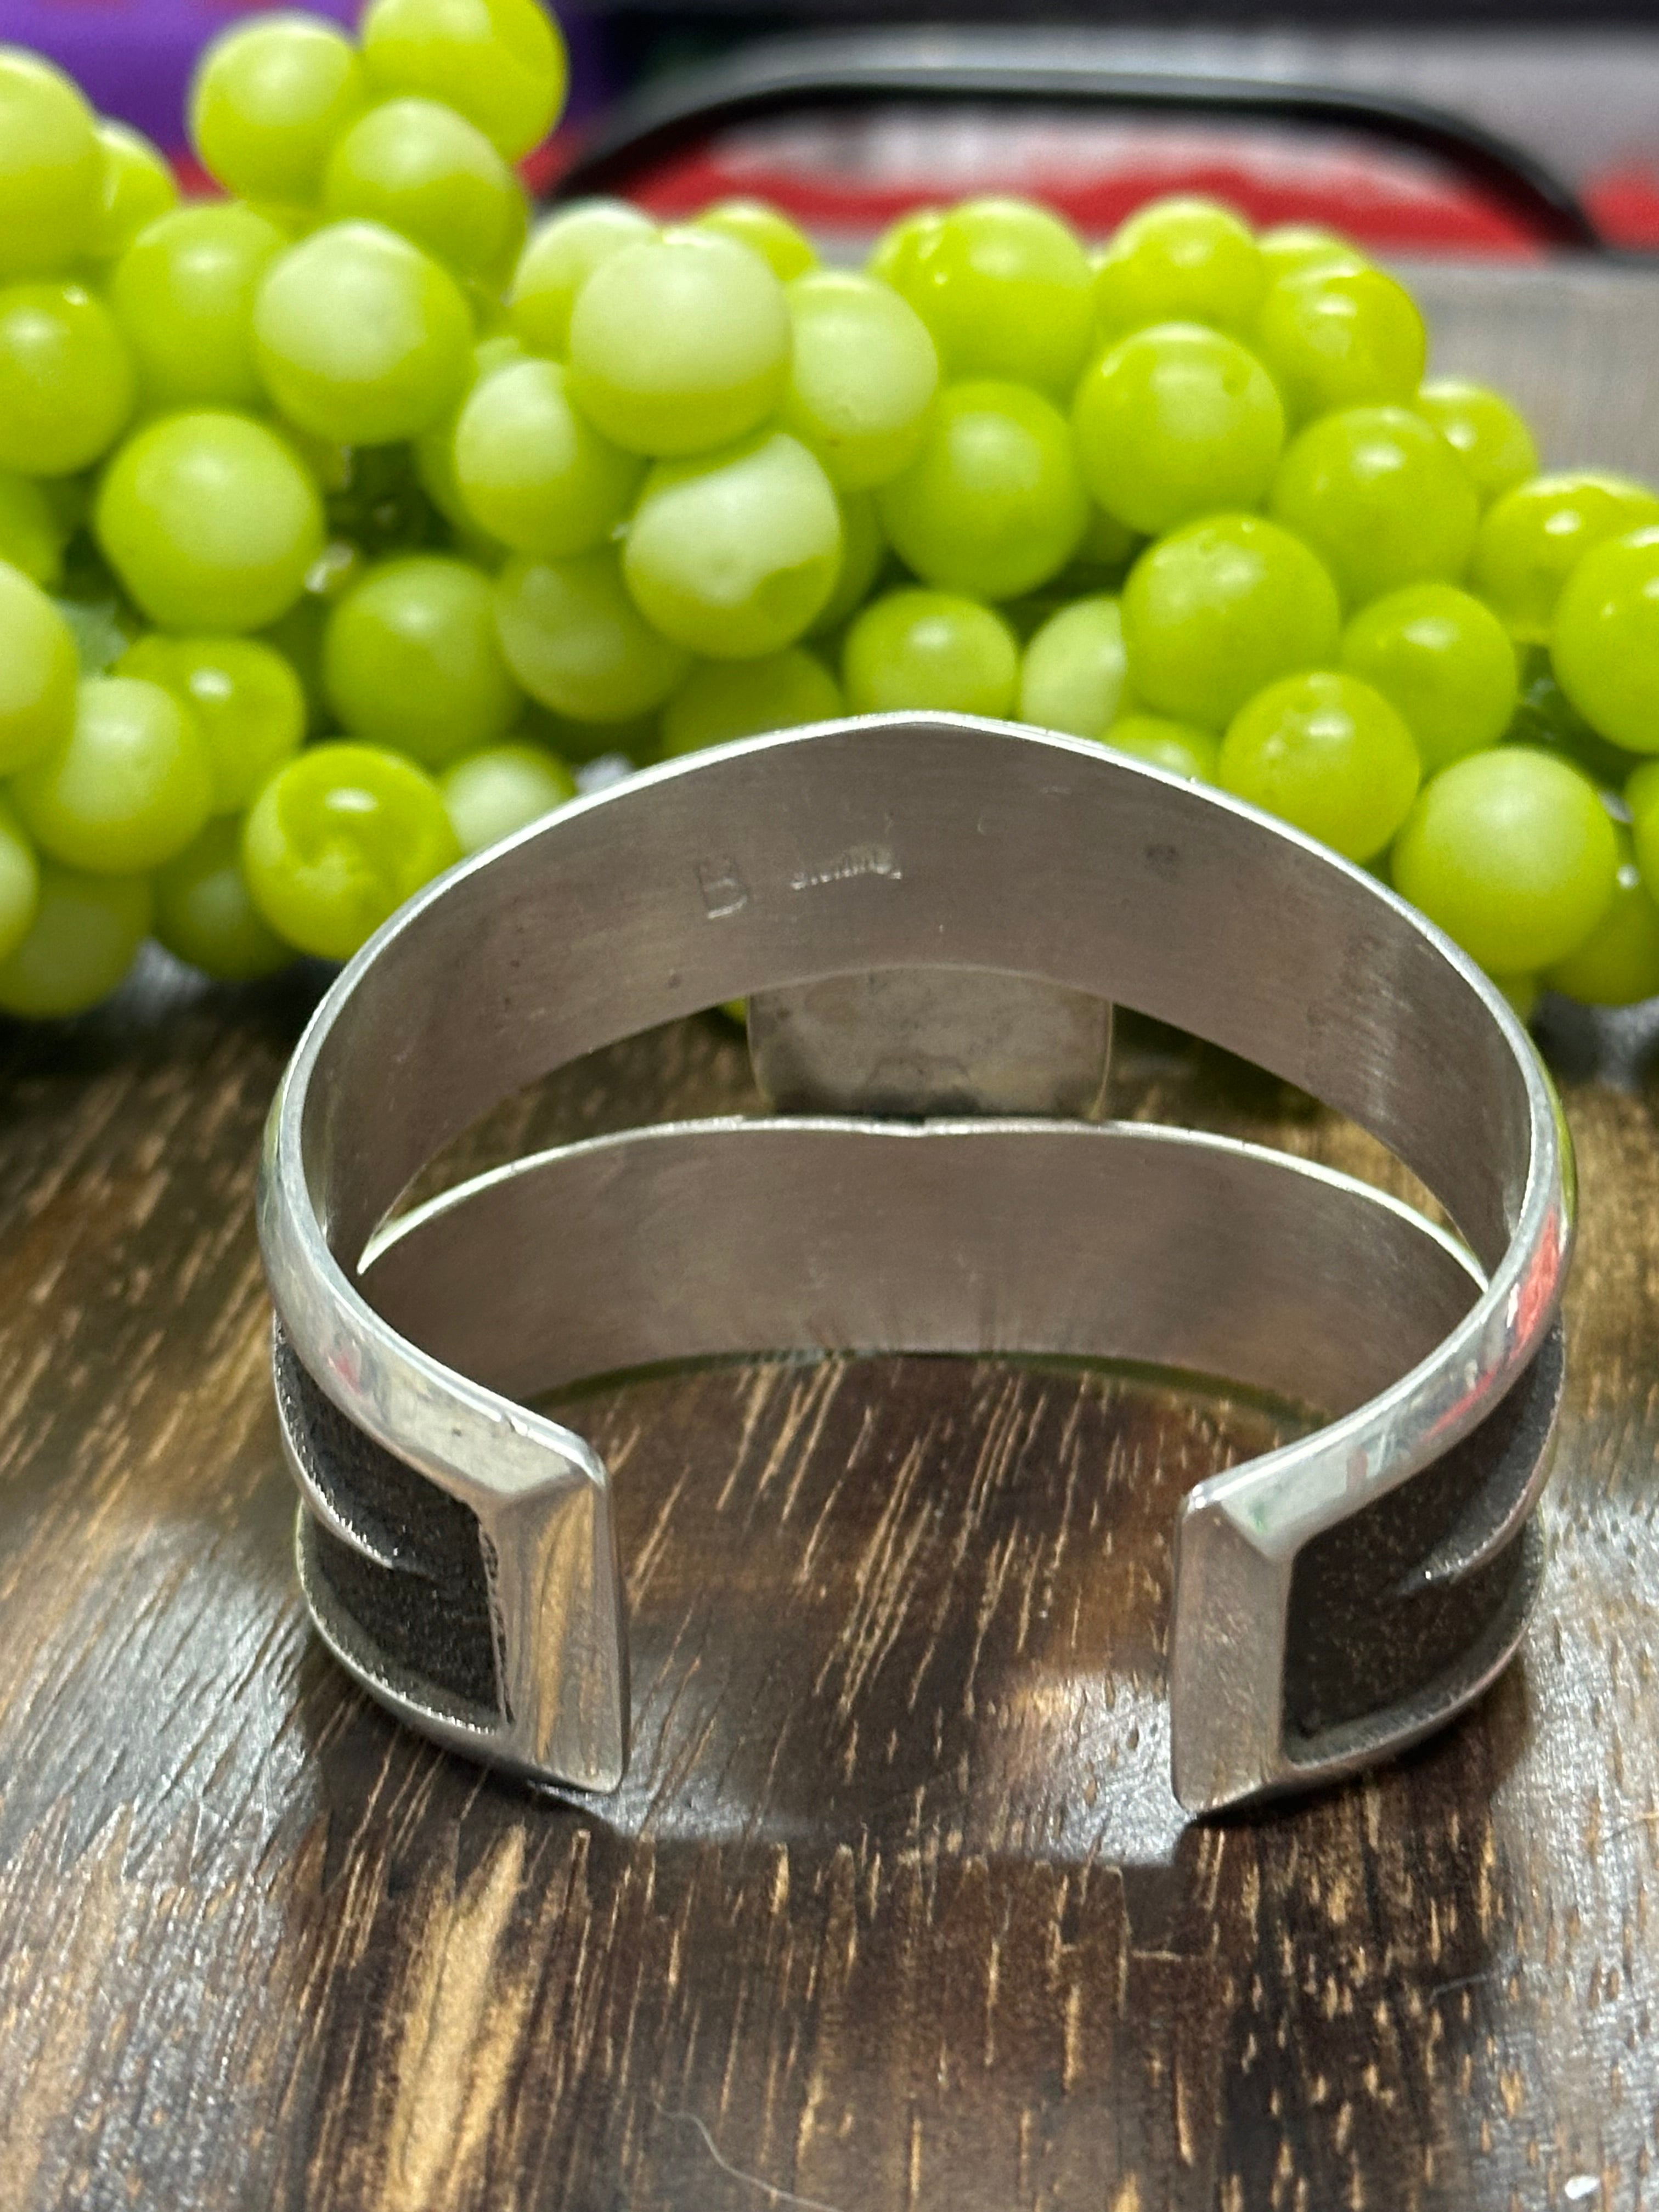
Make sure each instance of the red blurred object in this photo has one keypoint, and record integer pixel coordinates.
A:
(855, 175)
(541, 169)
(1625, 203)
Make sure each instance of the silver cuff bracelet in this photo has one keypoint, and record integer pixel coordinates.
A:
(930, 1184)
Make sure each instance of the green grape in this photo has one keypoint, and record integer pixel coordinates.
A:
(337, 839)
(893, 256)
(1545, 716)
(31, 537)
(130, 785)
(1522, 991)
(1179, 261)
(1176, 747)
(735, 553)
(245, 700)
(785, 251)
(1073, 676)
(1444, 661)
(577, 643)
(924, 650)
(1327, 754)
(293, 222)
(1532, 539)
(1175, 421)
(182, 297)
(1642, 800)
(427, 172)
(532, 471)
(19, 882)
(500, 63)
(411, 661)
(66, 382)
(863, 555)
(993, 504)
(862, 376)
(50, 167)
(83, 938)
(359, 337)
(40, 671)
(211, 522)
(493, 795)
(563, 254)
(205, 914)
(1215, 611)
(1340, 337)
(1381, 497)
(1489, 436)
(269, 98)
(727, 699)
(1605, 642)
(679, 344)
(1294, 248)
(1004, 287)
(1512, 853)
(1618, 963)
(499, 350)
(434, 451)
(137, 188)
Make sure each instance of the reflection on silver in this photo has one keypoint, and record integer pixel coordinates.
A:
(1335, 1600)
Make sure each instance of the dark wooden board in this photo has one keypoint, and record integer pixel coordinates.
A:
(895, 1909)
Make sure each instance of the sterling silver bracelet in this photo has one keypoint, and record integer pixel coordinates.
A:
(930, 917)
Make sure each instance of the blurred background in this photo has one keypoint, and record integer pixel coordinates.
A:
(1581, 102)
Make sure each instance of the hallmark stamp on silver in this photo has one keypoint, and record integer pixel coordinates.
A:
(724, 890)
(856, 860)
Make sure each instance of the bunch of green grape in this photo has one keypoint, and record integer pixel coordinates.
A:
(339, 517)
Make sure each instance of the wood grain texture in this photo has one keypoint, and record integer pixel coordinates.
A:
(895, 1910)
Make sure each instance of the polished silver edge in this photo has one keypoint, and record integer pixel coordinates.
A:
(1545, 1382)
(540, 1492)
(1223, 1751)
(1341, 1752)
(498, 1457)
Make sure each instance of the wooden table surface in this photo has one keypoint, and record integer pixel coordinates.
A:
(895, 1909)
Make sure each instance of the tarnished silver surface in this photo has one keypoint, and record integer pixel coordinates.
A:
(1333, 1599)
(930, 1041)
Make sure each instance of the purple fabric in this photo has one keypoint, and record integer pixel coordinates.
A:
(133, 58)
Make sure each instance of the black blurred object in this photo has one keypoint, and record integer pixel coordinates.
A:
(643, 24)
(827, 74)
